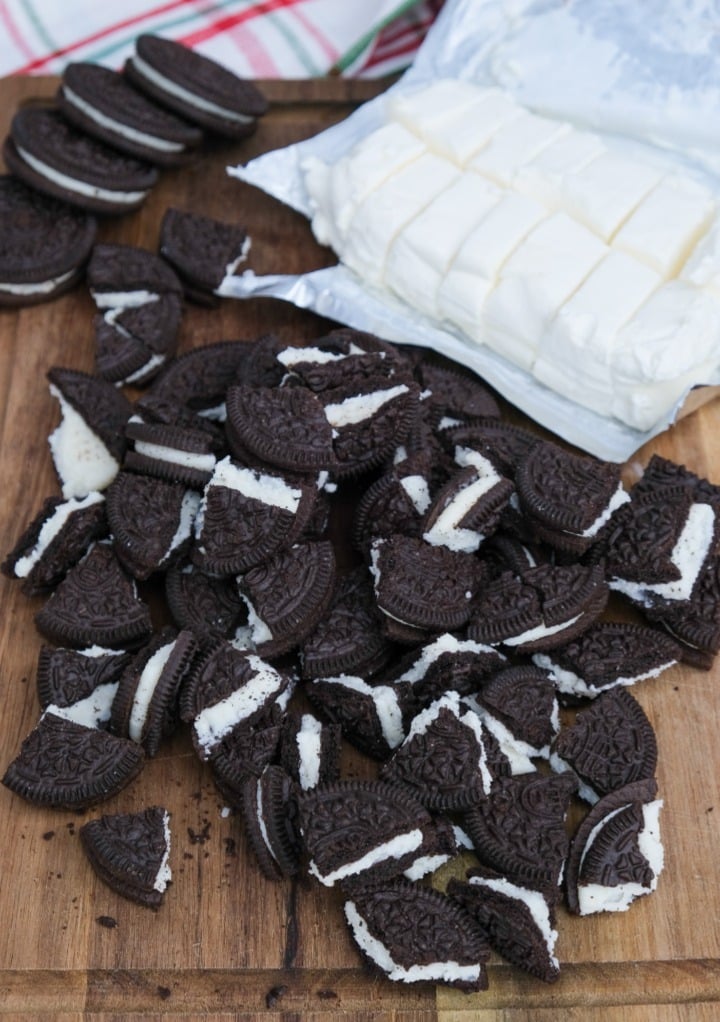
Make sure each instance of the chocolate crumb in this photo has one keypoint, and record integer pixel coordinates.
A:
(274, 995)
(230, 846)
(109, 922)
(327, 995)
(48, 835)
(199, 837)
(164, 992)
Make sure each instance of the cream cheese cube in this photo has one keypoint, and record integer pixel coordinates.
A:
(544, 176)
(543, 271)
(703, 265)
(472, 272)
(335, 191)
(422, 252)
(671, 343)
(388, 208)
(453, 118)
(515, 144)
(666, 225)
(606, 191)
(576, 351)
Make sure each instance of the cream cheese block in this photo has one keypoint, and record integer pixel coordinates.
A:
(514, 144)
(545, 175)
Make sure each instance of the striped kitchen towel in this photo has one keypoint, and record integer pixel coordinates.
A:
(255, 38)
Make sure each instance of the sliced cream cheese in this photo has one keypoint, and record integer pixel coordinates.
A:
(514, 144)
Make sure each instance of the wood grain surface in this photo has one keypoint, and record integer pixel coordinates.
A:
(227, 943)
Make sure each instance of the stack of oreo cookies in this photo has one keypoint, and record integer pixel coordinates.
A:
(354, 547)
(98, 148)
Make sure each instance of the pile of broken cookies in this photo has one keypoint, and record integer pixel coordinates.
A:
(472, 591)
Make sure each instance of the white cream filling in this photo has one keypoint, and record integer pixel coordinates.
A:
(164, 873)
(308, 740)
(584, 791)
(232, 266)
(43, 287)
(260, 814)
(171, 87)
(572, 684)
(185, 459)
(688, 556)
(540, 632)
(291, 356)
(92, 711)
(533, 900)
(424, 865)
(395, 848)
(361, 407)
(145, 690)
(71, 184)
(446, 531)
(118, 301)
(445, 643)
(81, 459)
(447, 972)
(266, 489)
(516, 751)
(154, 362)
(214, 722)
(50, 529)
(258, 631)
(598, 898)
(161, 145)
(188, 510)
(620, 497)
(417, 490)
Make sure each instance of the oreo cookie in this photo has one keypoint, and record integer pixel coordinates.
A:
(414, 934)
(202, 250)
(67, 676)
(394, 502)
(454, 394)
(310, 750)
(55, 540)
(502, 443)
(518, 921)
(197, 380)
(175, 453)
(269, 815)
(242, 756)
(210, 607)
(95, 604)
(468, 508)
(49, 154)
(616, 853)
(88, 446)
(608, 654)
(130, 853)
(65, 765)
(104, 105)
(247, 516)
(442, 759)
(44, 244)
(609, 745)
(199, 89)
(519, 705)
(372, 717)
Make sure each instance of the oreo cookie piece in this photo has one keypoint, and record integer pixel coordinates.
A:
(286, 597)
(414, 934)
(609, 745)
(348, 639)
(230, 690)
(442, 759)
(424, 586)
(395, 502)
(44, 244)
(144, 708)
(95, 604)
(269, 814)
(199, 89)
(103, 104)
(468, 508)
(519, 705)
(310, 750)
(247, 516)
(518, 921)
(49, 154)
(151, 521)
(616, 854)
(519, 829)
(197, 380)
(608, 654)
(371, 716)
(130, 853)
(446, 664)
(210, 607)
(65, 765)
(569, 498)
(501, 443)
(67, 676)
(541, 609)
(695, 623)
(343, 360)
(285, 427)
(455, 394)
(360, 829)
(88, 446)
(177, 454)
(56, 539)
(203, 251)
(242, 756)
(441, 844)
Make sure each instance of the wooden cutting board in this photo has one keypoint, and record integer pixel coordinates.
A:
(227, 942)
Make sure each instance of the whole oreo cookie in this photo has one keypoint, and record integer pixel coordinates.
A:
(50, 155)
(195, 87)
(103, 104)
(44, 244)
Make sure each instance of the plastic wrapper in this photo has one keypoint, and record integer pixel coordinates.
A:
(655, 93)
